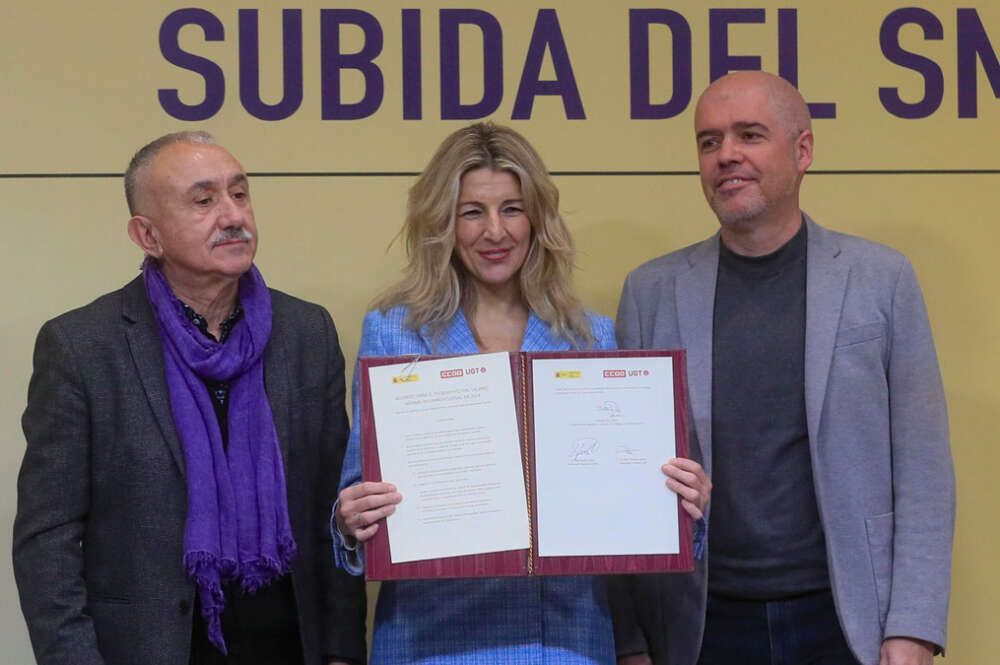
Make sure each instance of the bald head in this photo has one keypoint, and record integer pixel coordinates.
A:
(754, 145)
(786, 102)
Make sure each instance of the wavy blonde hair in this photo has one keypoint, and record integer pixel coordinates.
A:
(436, 283)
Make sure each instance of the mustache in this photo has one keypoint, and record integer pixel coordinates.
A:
(231, 234)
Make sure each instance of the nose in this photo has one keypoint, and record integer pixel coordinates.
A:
(232, 212)
(495, 230)
(729, 151)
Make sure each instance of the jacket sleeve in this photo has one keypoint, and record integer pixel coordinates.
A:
(923, 476)
(53, 498)
(353, 559)
(628, 330)
(629, 636)
(344, 599)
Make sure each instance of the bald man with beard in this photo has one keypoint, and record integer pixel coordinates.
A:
(818, 412)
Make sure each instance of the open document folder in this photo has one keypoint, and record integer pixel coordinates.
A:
(544, 463)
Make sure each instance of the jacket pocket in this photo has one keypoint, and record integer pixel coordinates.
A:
(104, 598)
(860, 333)
(880, 533)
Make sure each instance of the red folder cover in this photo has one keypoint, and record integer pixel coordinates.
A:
(524, 562)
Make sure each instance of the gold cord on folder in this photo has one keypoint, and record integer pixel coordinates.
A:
(524, 457)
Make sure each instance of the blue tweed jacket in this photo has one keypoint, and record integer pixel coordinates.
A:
(508, 621)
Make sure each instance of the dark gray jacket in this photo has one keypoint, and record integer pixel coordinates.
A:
(102, 500)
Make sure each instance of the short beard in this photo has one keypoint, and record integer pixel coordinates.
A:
(732, 216)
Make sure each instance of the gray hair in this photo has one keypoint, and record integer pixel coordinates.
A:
(144, 157)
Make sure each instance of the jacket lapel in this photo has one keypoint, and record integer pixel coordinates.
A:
(277, 385)
(143, 337)
(826, 284)
(456, 339)
(459, 339)
(695, 298)
(538, 336)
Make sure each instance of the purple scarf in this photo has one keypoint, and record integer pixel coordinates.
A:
(237, 525)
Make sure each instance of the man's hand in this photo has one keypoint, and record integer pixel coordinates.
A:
(688, 480)
(361, 506)
(906, 651)
(635, 659)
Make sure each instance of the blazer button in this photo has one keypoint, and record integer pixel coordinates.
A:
(184, 606)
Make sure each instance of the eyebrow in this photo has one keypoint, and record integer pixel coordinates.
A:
(751, 125)
(504, 202)
(238, 179)
(738, 126)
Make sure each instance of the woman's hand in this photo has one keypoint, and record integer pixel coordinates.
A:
(361, 506)
(688, 480)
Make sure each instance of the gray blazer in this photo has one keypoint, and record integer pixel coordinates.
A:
(878, 437)
(102, 500)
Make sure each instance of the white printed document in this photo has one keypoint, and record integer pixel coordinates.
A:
(448, 439)
(603, 428)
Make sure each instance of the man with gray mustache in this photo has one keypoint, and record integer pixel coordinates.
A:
(184, 438)
(226, 235)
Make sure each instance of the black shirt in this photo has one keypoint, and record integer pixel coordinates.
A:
(217, 390)
(765, 536)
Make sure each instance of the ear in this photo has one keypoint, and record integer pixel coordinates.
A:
(804, 150)
(143, 233)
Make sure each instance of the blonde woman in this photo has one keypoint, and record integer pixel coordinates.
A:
(490, 262)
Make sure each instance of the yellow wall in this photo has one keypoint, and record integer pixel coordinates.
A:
(80, 95)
